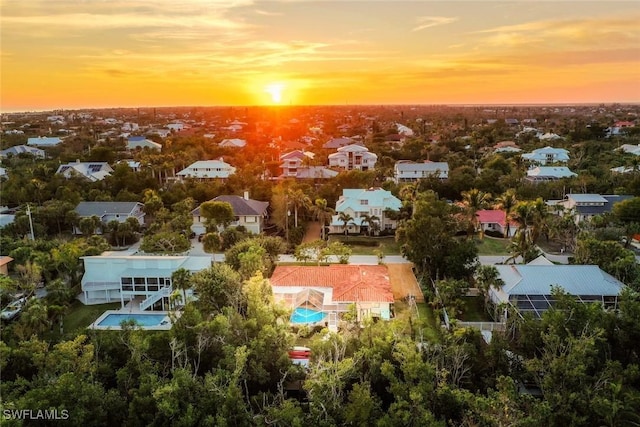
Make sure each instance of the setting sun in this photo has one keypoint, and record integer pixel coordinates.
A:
(275, 90)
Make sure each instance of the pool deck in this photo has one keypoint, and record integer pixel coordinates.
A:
(163, 327)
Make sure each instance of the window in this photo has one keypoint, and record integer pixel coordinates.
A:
(126, 283)
(364, 202)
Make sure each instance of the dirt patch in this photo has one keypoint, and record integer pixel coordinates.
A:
(403, 282)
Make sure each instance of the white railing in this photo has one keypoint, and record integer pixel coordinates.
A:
(100, 286)
(483, 326)
(156, 296)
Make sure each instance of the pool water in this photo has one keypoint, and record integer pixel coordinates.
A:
(139, 319)
(306, 315)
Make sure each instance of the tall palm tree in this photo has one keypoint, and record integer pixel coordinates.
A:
(346, 219)
(523, 214)
(181, 281)
(298, 200)
(474, 200)
(369, 220)
(322, 213)
(540, 219)
(507, 202)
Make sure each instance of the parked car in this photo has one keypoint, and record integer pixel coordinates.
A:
(13, 309)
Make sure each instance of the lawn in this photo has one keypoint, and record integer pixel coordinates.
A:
(473, 310)
(387, 245)
(431, 325)
(79, 317)
(492, 246)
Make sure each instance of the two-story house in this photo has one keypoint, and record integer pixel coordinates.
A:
(207, 169)
(547, 156)
(249, 213)
(293, 160)
(586, 206)
(353, 157)
(115, 276)
(360, 202)
(408, 171)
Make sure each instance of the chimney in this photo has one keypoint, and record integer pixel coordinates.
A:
(246, 195)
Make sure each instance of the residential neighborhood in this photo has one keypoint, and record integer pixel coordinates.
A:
(333, 234)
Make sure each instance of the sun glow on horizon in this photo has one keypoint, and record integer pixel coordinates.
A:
(275, 90)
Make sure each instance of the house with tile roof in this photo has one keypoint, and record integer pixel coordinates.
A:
(549, 173)
(4, 265)
(360, 202)
(249, 213)
(44, 141)
(547, 156)
(93, 171)
(23, 149)
(408, 171)
(233, 143)
(127, 277)
(353, 157)
(325, 293)
(140, 142)
(528, 288)
(586, 206)
(207, 169)
(335, 143)
(110, 211)
(496, 221)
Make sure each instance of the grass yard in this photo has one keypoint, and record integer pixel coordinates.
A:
(387, 245)
(79, 317)
(431, 325)
(473, 310)
(492, 246)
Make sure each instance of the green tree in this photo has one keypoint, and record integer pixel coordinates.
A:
(181, 280)
(217, 214)
(323, 214)
(299, 200)
(507, 202)
(345, 218)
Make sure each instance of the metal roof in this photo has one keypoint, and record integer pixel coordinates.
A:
(574, 279)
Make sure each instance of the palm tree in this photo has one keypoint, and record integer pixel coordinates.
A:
(507, 201)
(299, 200)
(474, 200)
(346, 219)
(181, 280)
(369, 220)
(540, 223)
(322, 213)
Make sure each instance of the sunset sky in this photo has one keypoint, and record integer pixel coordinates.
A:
(107, 53)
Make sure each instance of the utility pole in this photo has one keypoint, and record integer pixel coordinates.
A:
(30, 222)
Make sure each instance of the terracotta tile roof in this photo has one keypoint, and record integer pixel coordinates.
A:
(363, 283)
(493, 217)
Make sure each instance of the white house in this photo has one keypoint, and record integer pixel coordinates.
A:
(320, 295)
(233, 143)
(175, 126)
(110, 211)
(3, 172)
(547, 156)
(528, 288)
(44, 141)
(22, 149)
(207, 169)
(360, 202)
(353, 157)
(408, 171)
(125, 277)
(549, 173)
(496, 220)
(293, 160)
(140, 142)
(93, 171)
(248, 212)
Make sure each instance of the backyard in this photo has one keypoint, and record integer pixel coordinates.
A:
(473, 310)
(363, 245)
(79, 317)
(493, 246)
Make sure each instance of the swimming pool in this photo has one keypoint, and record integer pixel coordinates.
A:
(306, 315)
(112, 319)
